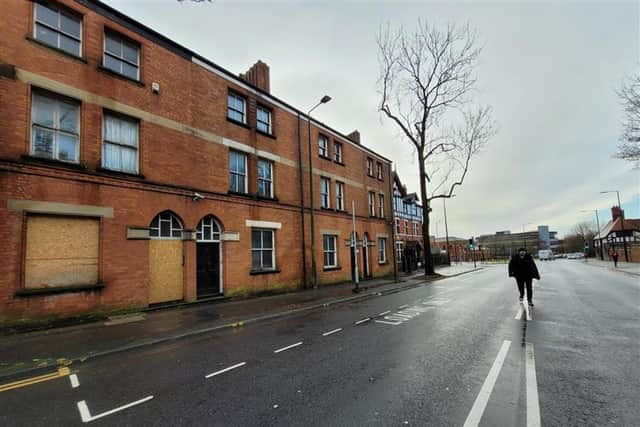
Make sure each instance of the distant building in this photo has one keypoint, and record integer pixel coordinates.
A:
(615, 234)
(504, 243)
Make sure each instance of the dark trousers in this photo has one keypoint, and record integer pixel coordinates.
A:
(521, 284)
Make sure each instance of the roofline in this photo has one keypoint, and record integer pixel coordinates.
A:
(188, 54)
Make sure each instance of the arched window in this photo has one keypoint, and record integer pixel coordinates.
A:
(165, 226)
(208, 230)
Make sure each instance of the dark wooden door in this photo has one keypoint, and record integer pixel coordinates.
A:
(208, 269)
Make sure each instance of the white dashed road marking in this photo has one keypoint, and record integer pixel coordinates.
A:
(86, 416)
(363, 320)
(331, 332)
(222, 371)
(75, 383)
(287, 347)
(389, 323)
(384, 312)
(473, 419)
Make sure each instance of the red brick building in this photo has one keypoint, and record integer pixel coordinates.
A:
(134, 171)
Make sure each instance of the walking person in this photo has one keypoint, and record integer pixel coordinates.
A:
(614, 255)
(524, 270)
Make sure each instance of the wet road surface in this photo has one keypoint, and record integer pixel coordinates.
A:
(460, 351)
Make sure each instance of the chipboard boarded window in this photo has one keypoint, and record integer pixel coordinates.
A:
(61, 251)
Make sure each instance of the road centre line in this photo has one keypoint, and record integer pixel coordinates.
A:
(222, 371)
(384, 312)
(533, 404)
(75, 383)
(363, 320)
(403, 306)
(287, 347)
(86, 416)
(331, 332)
(520, 311)
(473, 419)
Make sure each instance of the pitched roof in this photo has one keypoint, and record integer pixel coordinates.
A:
(617, 225)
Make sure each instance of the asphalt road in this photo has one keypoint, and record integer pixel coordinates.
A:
(456, 351)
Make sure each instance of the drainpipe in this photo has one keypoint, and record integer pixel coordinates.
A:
(300, 179)
(311, 197)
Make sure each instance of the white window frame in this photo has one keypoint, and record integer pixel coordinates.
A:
(208, 230)
(329, 251)
(372, 203)
(381, 205)
(382, 250)
(323, 146)
(57, 30)
(379, 170)
(55, 130)
(415, 228)
(232, 173)
(244, 107)
(337, 152)
(123, 41)
(166, 216)
(398, 227)
(120, 144)
(259, 122)
(325, 196)
(339, 196)
(267, 180)
(399, 251)
(369, 167)
(263, 249)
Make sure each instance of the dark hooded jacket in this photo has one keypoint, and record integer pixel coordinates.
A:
(523, 269)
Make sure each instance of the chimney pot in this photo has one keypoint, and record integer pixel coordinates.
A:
(354, 136)
(258, 75)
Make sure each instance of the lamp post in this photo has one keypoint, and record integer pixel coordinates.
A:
(314, 277)
(598, 226)
(446, 229)
(624, 238)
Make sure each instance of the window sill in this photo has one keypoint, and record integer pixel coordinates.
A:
(267, 134)
(325, 157)
(326, 209)
(267, 198)
(383, 262)
(338, 163)
(253, 196)
(57, 50)
(235, 122)
(259, 272)
(121, 76)
(113, 172)
(336, 268)
(54, 162)
(58, 290)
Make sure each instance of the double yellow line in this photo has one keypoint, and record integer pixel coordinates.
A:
(61, 372)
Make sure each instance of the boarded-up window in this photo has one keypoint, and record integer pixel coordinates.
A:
(61, 251)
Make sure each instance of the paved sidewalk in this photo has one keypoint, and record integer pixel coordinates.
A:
(625, 267)
(32, 353)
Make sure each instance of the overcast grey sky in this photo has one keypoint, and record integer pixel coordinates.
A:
(548, 69)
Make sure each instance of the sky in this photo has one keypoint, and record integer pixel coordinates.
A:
(548, 69)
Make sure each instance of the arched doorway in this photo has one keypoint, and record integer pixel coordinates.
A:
(165, 258)
(366, 268)
(208, 258)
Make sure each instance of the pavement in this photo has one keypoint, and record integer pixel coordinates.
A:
(624, 267)
(459, 351)
(39, 352)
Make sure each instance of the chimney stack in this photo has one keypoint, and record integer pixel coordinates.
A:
(258, 75)
(354, 136)
(616, 212)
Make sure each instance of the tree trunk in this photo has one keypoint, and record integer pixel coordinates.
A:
(428, 261)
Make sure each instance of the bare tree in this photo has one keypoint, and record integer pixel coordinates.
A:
(425, 84)
(629, 146)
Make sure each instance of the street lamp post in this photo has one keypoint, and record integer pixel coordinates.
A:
(624, 238)
(598, 226)
(314, 276)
